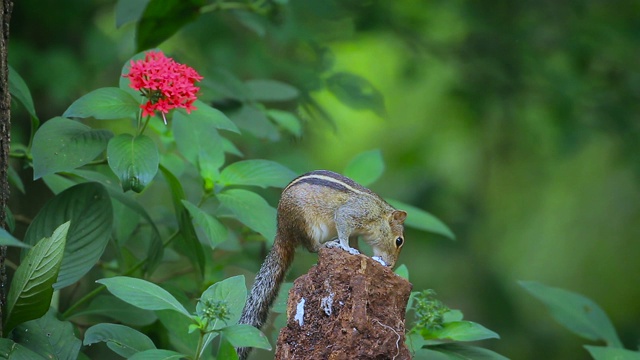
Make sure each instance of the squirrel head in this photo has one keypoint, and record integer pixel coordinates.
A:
(390, 239)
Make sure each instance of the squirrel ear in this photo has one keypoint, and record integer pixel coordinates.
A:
(399, 216)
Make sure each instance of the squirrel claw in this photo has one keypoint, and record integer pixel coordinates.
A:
(338, 244)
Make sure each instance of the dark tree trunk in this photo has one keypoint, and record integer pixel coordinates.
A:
(5, 140)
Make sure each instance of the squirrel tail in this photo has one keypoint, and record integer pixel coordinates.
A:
(265, 288)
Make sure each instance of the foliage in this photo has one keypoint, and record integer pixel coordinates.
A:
(108, 159)
(584, 318)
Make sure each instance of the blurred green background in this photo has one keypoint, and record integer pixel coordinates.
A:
(517, 123)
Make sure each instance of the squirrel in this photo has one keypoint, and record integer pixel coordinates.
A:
(314, 209)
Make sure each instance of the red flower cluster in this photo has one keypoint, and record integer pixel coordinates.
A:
(166, 83)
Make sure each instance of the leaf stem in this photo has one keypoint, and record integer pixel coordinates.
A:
(89, 296)
(145, 125)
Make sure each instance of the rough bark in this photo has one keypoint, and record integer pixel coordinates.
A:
(346, 307)
(5, 139)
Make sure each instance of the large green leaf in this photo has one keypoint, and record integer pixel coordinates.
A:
(49, 337)
(161, 19)
(113, 307)
(356, 92)
(456, 351)
(187, 230)
(129, 11)
(462, 331)
(104, 104)
(263, 173)
(61, 145)
(422, 220)
(246, 336)
(212, 228)
(231, 292)
(286, 120)
(20, 91)
(13, 351)
(31, 289)
(610, 353)
(204, 113)
(252, 210)
(143, 294)
(123, 340)
(7, 239)
(577, 313)
(199, 142)
(134, 160)
(271, 90)
(366, 167)
(157, 354)
(88, 207)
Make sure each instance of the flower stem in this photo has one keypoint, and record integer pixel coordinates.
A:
(145, 125)
(200, 345)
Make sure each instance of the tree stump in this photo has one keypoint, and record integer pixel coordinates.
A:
(346, 307)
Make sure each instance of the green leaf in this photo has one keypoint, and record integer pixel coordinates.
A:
(104, 104)
(577, 313)
(226, 350)
(88, 207)
(31, 288)
(20, 91)
(422, 220)
(157, 354)
(252, 210)
(232, 292)
(366, 167)
(13, 351)
(271, 90)
(187, 230)
(49, 337)
(402, 271)
(609, 353)
(199, 142)
(253, 120)
(243, 335)
(462, 331)
(211, 116)
(123, 340)
(463, 352)
(161, 19)
(213, 229)
(263, 173)
(286, 120)
(129, 11)
(143, 294)
(61, 145)
(134, 160)
(15, 180)
(7, 239)
(113, 307)
(356, 92)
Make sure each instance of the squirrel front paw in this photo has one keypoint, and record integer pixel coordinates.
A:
(337, 244)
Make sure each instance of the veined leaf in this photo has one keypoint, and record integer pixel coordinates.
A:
(49, 337)
(123, 340)
(577, 313)
(134, 160)
(243, 335)
(610, 353)
(213, 229)
(422, 220)
(252, 210)
(7, 239)
(263, 173)
(129, 11)
(20, 91)
(271, 90)
(88, 206)
(356, 92)
(463, 352)
(205, 113)
(232, 292)
(161, 19)
(187, 230)
(61, 145)
(31, 289)
(113, 307)
(462, 331)
(366, 167)
(104, 104)
(143, 294)
(157, 354)
(13, 351)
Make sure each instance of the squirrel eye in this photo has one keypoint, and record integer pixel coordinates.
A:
(399, 241)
